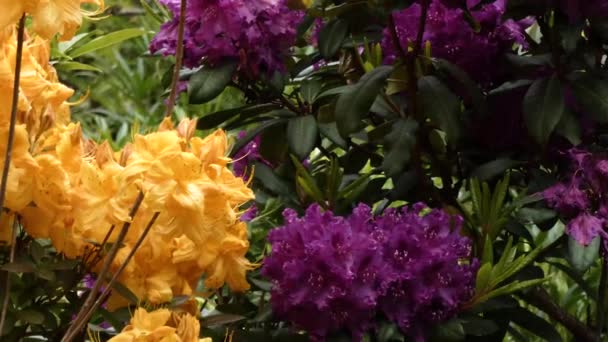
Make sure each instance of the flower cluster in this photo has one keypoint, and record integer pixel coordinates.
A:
(455, 40)
(246, 157)
(49, 18)
(258, 33)
(580, 198)
(74, 191)
(161, 325)
(331, 273)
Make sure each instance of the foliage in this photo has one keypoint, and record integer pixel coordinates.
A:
(344, 116)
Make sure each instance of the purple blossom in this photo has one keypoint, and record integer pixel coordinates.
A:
(453, 39)
(246, 157)
(585, 227)
(258, 33)
(331, 273)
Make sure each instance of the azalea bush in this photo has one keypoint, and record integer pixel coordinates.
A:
(273, 170)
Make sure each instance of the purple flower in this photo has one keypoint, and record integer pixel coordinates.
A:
(427, 280)
(250, 214)
(568, 199)
(246, 157)
(585, 227)
(258, 33)
(453, 39)
(331, 273)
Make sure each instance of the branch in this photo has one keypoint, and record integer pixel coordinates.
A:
(80, 319)
(7, 163)
(539, 298)
(14, 105)
(179, 57)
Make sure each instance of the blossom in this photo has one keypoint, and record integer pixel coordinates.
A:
(257, 33)
(246, 157)
(453, 39)
(49, 17)
(160, 325)
(408, 265)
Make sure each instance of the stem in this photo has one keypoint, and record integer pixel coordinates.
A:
(7, 285)
(13, 119)
(601, 299)
(179, 57)
(108, 288)
(80, 319)
(542, 300)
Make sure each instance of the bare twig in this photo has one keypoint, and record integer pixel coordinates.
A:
(108, 288)
(80, 320)
(7, 285)
(14, 105)
(179, 58)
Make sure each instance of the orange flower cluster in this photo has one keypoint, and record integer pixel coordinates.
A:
(49, 17)
(73, 190)
(161, 325)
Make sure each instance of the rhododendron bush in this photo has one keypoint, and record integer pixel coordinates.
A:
(328, 170)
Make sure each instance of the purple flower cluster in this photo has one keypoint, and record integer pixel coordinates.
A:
(258, 33)
(580, 198)
(331, 273)
(452, 38)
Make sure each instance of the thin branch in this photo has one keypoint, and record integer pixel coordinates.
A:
(114, 278)
(7, 285)
(80, 320)
(14, 105)
(542, 300)
(179, 58)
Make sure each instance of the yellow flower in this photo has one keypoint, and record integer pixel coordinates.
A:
(50, 17)
(161, 326)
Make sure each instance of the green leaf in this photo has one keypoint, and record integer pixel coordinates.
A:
(488, 251)
(253, 133)
(19, 267)
(478, 326)
(270, 180)
(354, 104)
(306, 182)
(592, 94)
(213, 120)
(398, 144)
(449, 331)
(439, 104)
(302, 135)
(208, 82)
(510, 288)
(310, 88)
(570, 128)
(534, 324)
(544, 107)
(494, 168)
(455, 72)
(107, 40)
(221, 319)
(74, 66)
(582, 257)
(331, 37)
(483, 278)
(30, 316)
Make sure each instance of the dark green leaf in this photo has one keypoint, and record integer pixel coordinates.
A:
(592, 94)
(398, 145)
(30, 316)
(254, 133)
(449, 331)
(209, 82)
(221, 319)
(439, 104)
(494, 168)
(354, 104)
(214, 120)
(570, 128)
(270, 180)
(544, 107)
(582, 257)
(478, 326)
(331, 37)
(534, 324)
(302, 134)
